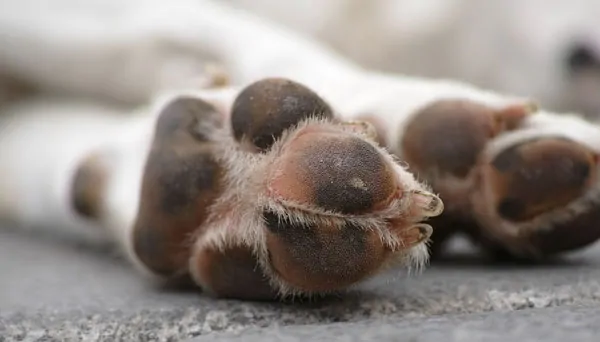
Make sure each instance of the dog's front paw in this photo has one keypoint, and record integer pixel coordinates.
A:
(285, 199)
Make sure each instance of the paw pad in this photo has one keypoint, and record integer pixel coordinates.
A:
(266, 108)
(182, 179)
(339, 173)
(539, 176)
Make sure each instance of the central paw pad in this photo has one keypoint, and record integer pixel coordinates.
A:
(333, 171)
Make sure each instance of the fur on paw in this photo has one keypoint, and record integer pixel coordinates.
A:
(280, 194)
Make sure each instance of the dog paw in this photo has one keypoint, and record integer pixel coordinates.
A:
(279, 197)
(525, 186)
(538, 197)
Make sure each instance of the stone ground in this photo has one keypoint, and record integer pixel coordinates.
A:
(60, 291)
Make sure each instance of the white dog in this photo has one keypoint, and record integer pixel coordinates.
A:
(306, 174)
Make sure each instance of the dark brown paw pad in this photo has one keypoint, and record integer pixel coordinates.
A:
(187, 118)
(265, 109)
(334, 172)
(322, 258)
(232, 272)
(529, 187)
(578, 232)
(444, 139)
(538, 176)
(182, 179)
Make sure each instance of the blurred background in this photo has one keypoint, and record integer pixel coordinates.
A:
(545, 49)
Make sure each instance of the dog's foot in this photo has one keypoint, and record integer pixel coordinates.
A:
(538, 196)
(278, 197)
(518, 184)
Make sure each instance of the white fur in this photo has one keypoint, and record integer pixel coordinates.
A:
(511, 46)
(139, 47)
(41, 144)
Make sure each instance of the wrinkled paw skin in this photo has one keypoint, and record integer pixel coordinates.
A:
(288, 200)
(529, 200)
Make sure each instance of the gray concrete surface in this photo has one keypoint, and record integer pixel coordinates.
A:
(55, 290)
(548, 325)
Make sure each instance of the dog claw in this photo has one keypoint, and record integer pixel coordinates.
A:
(416, 234)
(430, 204)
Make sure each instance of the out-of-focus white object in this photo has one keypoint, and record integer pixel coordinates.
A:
(129, 50)
(546, 49)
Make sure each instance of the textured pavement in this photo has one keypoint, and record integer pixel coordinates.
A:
(56, 290)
